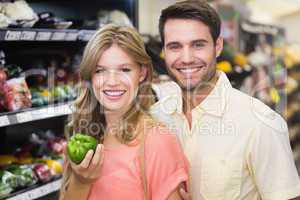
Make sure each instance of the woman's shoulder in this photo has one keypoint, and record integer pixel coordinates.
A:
(156, 129)
(158, 135)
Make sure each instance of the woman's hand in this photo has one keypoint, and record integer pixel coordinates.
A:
(89, 169)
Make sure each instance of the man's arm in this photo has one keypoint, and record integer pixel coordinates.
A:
(270, 159)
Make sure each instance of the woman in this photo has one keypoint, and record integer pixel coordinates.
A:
(136, 158)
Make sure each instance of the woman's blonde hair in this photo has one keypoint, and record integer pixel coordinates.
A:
(88, 117)
(87, 109)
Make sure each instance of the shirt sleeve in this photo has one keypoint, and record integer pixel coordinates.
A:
(272, 163)
(165, 163)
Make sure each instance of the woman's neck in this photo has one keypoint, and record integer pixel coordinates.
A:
(113, 122)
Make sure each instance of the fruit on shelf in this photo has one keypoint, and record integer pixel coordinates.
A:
(224, 66)
(7, 159)
(42, 171)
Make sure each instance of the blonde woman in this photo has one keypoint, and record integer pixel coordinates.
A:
(136, 157)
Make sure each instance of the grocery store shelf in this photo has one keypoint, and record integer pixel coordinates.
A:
(38, 192)
(34, 114)
(27, 34)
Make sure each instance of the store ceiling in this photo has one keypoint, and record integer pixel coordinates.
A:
(268, 11)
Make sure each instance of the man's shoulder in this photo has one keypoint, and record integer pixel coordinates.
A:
(257, 112)
(169, 98)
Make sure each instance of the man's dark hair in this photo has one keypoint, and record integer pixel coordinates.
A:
(198, 10)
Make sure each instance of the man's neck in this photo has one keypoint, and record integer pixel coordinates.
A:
(192, 99)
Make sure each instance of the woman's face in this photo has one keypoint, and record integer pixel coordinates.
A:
(116, 79)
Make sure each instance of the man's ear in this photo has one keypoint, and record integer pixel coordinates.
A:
(144, 73)
(219, 46)
(162, 53)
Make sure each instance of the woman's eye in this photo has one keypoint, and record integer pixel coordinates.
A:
(125, 70)
(99, 71)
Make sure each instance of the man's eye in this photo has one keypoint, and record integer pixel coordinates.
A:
(198, 45)
(174, 47)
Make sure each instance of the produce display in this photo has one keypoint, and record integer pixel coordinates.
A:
(39, 161)
(25, 89)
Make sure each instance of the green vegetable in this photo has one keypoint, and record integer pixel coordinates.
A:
(10, 179)
(24, 174)
(5, 189)
(79, 145)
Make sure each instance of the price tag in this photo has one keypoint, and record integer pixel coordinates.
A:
(41, 113)
(24, 117)
(4, 121)
(43, 36)
(38, 192)
(71, 36)
(58, 36)
(57, 184)
(12, 35)
(28, 35)
(62, 110)
(87, 37)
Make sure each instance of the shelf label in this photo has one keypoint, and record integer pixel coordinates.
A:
(58, 36)
(12, 35)
(62, 110)
(41, 113)
(87, 37)
(24, 117)
(28, 35)
(4, 121)
(43, 36)
(71, 36)
(38, 192)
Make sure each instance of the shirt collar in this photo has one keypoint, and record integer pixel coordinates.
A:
(216, 100)
(170, 100)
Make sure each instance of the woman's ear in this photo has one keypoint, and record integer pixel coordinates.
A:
(143, 74)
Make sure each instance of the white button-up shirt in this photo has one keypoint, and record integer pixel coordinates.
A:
(238, 147)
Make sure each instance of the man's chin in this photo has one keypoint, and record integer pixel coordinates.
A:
(187, 87)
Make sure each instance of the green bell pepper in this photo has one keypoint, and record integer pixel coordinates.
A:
(79, 145)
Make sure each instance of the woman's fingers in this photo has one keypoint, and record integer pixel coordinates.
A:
(87, 159)
(90, 167)
(102, 155)
(97, 156)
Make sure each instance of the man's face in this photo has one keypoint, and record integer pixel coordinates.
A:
(190, 52)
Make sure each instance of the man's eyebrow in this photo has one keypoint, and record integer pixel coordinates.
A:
(200, 40)
(192, 42)
(172, 43)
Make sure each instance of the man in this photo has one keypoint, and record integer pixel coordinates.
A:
(238, 148)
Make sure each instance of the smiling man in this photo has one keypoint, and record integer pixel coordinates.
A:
(238, 147)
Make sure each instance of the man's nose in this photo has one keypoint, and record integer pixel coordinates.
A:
(187, 55)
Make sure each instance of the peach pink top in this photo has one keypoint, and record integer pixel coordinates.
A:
(165, 166)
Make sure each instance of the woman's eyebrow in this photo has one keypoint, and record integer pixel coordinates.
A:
(119, 65)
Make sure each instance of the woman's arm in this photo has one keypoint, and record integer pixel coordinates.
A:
(175, 195)
(75, 190)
